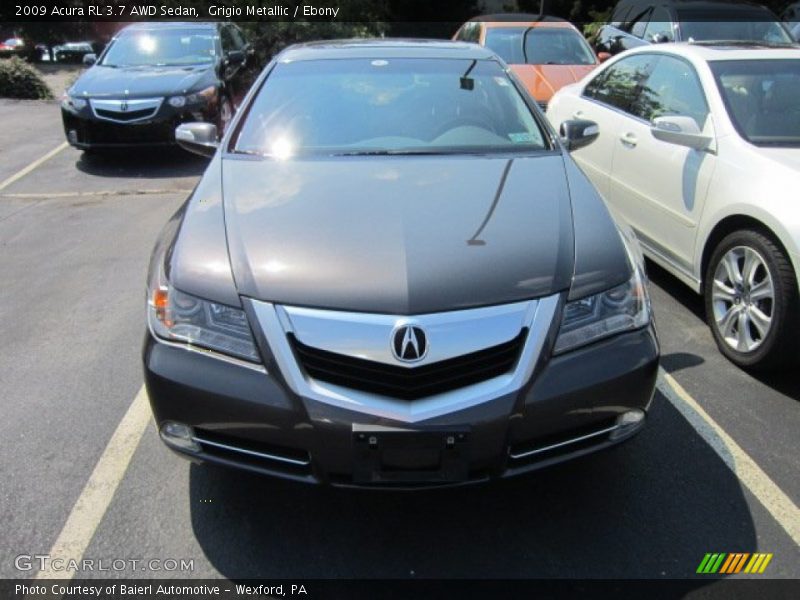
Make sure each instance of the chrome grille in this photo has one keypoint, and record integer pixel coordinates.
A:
(125, 111)
(409, 383)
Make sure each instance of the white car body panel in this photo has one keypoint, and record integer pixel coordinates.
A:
(673, 195)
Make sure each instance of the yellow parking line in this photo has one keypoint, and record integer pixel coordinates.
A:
(22, 172)
(777, 503)
(98, 492)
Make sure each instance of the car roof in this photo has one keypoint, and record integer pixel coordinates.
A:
(699, 4)
(529, 24)
(714, 51)
(516, 18)
(385, 48)
(150, 25)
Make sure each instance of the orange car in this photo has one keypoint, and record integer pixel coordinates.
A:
(546, 53)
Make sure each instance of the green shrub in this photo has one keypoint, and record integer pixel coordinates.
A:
(20, 80)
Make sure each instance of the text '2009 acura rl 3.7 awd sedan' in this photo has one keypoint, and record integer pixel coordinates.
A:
(392, 273)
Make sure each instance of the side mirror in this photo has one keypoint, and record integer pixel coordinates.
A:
(659, 38)
(200, 138)
(603, 56)
(234, 58)
(578, 133)
(89, 59)
(683, 131)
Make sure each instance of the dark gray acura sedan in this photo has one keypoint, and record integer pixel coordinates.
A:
(393, 274)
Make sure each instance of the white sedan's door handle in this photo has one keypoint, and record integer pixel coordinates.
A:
(578, 114)
(628, 139)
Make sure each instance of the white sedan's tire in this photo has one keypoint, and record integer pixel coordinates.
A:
(751, 301)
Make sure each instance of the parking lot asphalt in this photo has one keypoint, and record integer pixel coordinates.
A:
(75, 238)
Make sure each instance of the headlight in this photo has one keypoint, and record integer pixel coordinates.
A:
(180, 317)
(203, 96)
(622, 308)
(73, 102)
(177, 101)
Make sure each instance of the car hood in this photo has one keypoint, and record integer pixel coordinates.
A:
(542, 81)
(139, 81)
(405, 235)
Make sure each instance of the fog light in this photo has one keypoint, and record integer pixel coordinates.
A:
(627, 423)
(179, 436)
(72, 136)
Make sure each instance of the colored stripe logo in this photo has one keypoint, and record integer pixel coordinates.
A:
(735, 562)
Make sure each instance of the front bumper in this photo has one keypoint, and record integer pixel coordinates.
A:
(247, 418)
(84, 130)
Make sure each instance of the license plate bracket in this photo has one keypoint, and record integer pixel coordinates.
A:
(400, 455)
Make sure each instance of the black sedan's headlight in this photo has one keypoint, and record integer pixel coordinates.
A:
(179, 317)
(204, 96)
(622, 308)
(73, 102)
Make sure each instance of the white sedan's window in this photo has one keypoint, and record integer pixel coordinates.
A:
(761, 97)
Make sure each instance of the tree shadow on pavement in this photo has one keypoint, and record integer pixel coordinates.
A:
(650, 508)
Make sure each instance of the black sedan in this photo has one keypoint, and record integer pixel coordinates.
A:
(399, 279)
(154, 76)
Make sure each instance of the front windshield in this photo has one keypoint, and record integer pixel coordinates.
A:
(761, 97)
(699, 26)
(162, 47)
(388, 106)
(539, 46)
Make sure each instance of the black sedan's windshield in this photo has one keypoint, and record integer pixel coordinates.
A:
(762, 99)
(388, 106)
(162, 47)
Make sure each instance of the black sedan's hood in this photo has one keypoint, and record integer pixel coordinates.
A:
(401, 235)
(139, 81)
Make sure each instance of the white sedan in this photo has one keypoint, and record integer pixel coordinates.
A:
(699, 152)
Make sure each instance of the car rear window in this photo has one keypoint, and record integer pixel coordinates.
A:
(374, 106)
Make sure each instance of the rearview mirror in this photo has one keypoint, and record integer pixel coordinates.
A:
(680, 130)
(578, 133)
(89, 59)
(200, 138)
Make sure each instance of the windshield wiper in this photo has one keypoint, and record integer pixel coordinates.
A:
(391, 153)
(744, 43)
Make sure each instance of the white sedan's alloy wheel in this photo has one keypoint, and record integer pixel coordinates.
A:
(743, 298)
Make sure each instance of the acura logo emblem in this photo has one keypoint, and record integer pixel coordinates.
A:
(409, 343)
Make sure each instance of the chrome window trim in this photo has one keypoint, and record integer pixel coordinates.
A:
(539, 316)
(133, 105)
(273, 457)
(568, 442)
